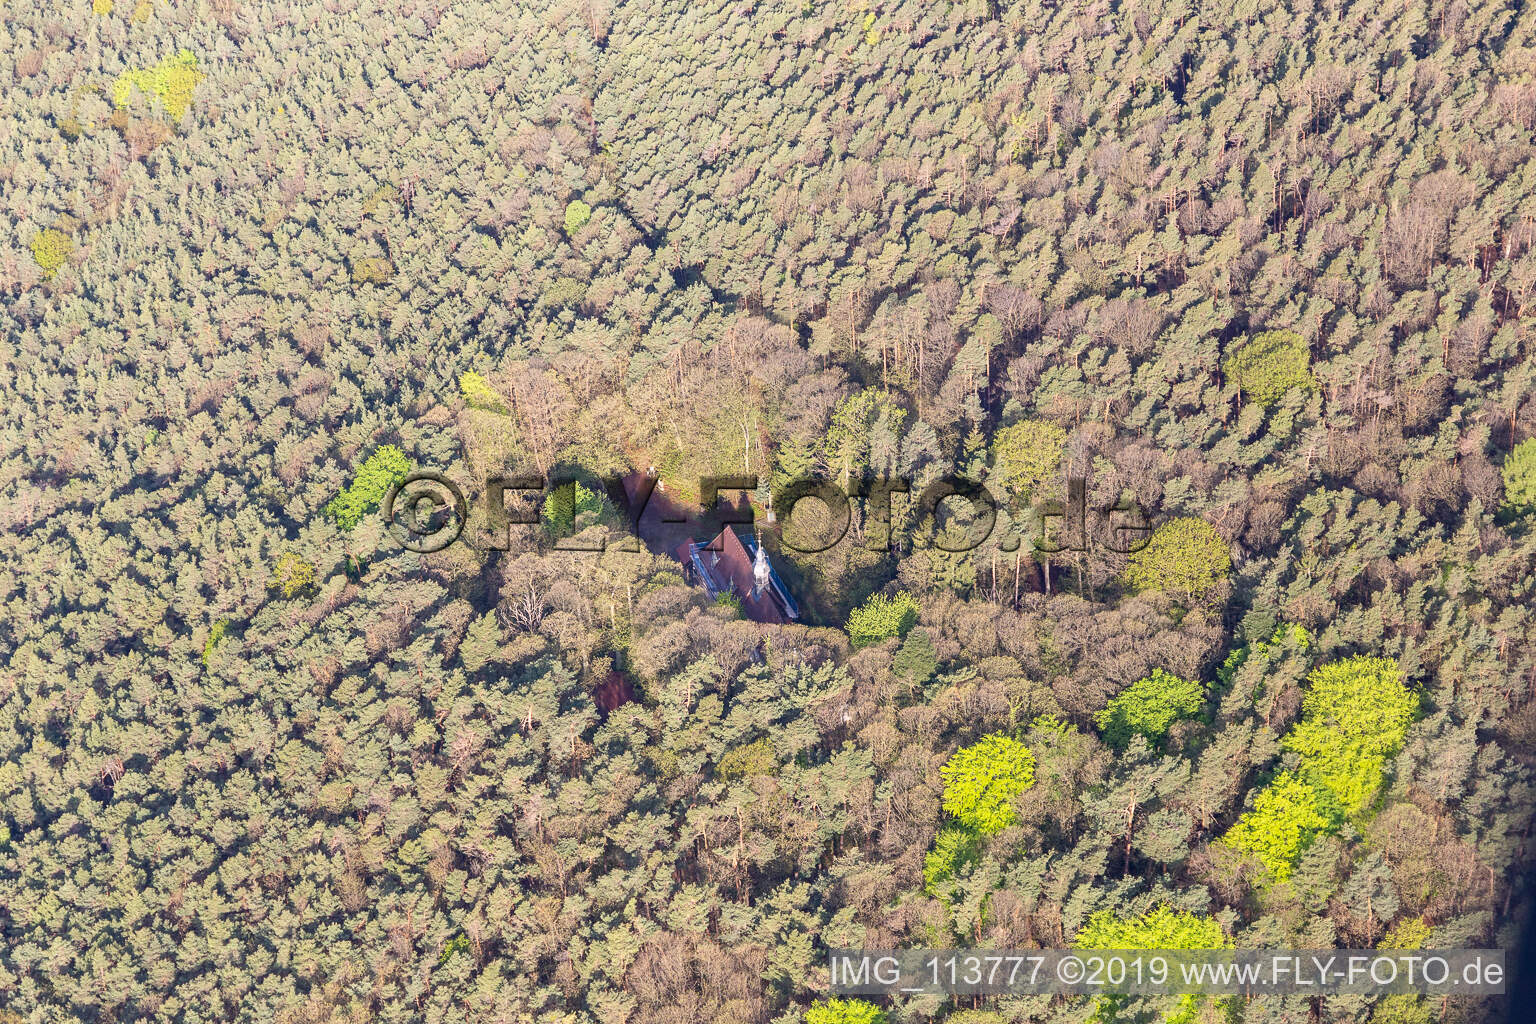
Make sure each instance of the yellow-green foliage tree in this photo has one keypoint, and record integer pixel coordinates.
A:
(50, 250)
(755, 758)
(577, 215)
(291, 575)
(981, 780)
(1026, 454)
(479, 394)
(214, 636)
(1149, 707)
(372, 270)
(953, 848)
(1355, 715)
(1184, 558)
(1161, 928)
(845, 1011)
(882, 617)
(1519, 472)
(172, 82)
(1268, 365)
(384, 468)
(1411, 933)
(1287, 816)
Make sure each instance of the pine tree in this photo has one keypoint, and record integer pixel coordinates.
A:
(1519, 474)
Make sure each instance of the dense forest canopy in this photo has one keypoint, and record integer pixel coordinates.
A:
(1265, 272)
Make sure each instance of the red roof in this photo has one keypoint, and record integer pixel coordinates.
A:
(726, 567)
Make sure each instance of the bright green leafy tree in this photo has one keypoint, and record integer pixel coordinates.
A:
(1148, 707)
(981, 780)
(577, 215)
(1184, 558)
(214, 636)
(1026, 454)
(845, 1011)
(50, 249)
(171, 81)
(1410, 933)
(291, 574)
(372, 270)
(1269, 364)
(1287, 816)
(479, 394)
(755, 758)
(953, 848)
(1161, 928)
(384, 468)
(458, 945)
(881, 617)
(1355, 715)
